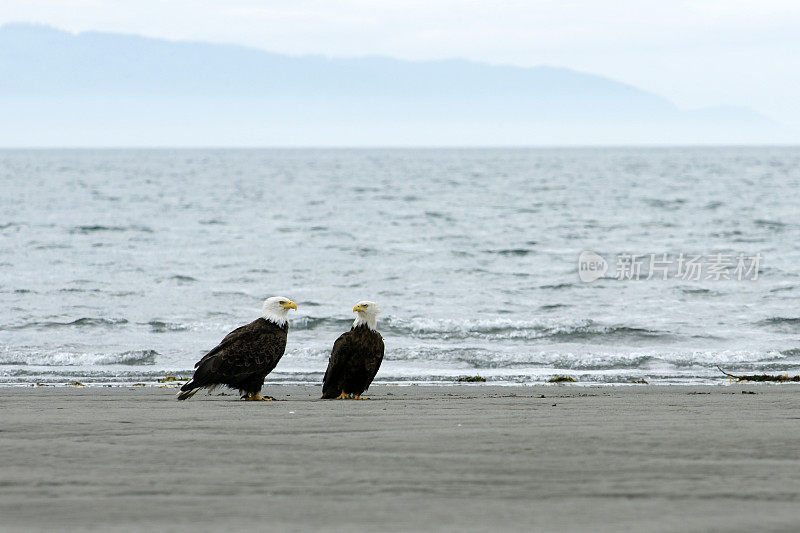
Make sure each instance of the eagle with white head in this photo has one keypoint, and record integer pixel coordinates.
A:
(356, 356)
(246, 355)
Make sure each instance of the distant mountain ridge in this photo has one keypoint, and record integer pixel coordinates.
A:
(58, 88)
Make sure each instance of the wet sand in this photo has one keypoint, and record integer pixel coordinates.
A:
(412, 458)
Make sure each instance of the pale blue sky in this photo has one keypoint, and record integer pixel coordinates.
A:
(699, 53)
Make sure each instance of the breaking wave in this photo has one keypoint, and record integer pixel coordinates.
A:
(478, 358)
(495, 329)
(310, 323)
(420, 364)
(508, 329)
(66, 358)
(78, 323)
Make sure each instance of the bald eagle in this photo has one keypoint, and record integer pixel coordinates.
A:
(246, 355)
(356, 356)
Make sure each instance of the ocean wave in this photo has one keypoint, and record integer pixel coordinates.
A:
(78, 290)
(512, 252)
(311, 322)
(781, 323)
(135, 357)
(479, 358)
(65, 358)
(558, 286)
(696, 291)
(422, 365)
(781, 320)
(773, 225)
(182, 278)
(77, 323)
(100, 228)
(25, 376)
(785, 288)
(611, 333)
(157, 326)
(665, 204)
(508, 329)
(485, 328)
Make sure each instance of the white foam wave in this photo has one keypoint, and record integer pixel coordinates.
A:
(68, 358)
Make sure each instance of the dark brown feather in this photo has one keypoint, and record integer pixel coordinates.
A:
(243, 359)
(355, 359)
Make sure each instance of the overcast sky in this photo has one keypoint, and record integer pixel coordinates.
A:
(696, 53)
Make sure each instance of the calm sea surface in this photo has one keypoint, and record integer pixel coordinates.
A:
(124, 266)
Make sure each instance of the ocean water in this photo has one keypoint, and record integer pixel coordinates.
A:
(125, 266)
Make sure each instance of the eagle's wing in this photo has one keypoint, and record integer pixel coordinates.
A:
(374, 363)
(240, 334)
(241, 353)
(334, 376)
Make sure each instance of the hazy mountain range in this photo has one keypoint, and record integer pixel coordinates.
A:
(102, 89)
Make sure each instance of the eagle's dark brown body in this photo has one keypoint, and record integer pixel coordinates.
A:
(242, 360)
(355, 359)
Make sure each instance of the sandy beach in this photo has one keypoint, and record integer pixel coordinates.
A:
(555, 458)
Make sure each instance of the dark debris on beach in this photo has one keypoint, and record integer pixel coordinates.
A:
(471, 379)
(779, 378)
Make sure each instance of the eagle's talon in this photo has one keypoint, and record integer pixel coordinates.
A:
(259, 398)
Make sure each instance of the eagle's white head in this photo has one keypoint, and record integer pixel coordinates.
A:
(276, 309)
(367, 314)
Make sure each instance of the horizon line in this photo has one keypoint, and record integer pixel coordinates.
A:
(409, 147)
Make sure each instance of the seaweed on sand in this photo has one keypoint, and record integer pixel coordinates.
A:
(471, 379)
(562, 379)
(170, 379)
(780, 378)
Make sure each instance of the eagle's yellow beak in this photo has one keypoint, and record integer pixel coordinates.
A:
(358, 308)
(289, 305)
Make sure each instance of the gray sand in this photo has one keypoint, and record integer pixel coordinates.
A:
(444, 458)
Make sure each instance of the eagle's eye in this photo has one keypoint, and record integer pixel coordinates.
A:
(282, 302)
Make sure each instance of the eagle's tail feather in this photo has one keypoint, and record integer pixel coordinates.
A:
(186, 394)
(188, 390)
